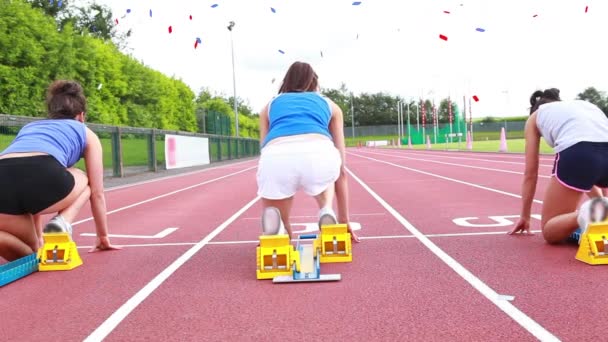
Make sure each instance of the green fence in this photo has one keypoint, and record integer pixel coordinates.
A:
(128, 150)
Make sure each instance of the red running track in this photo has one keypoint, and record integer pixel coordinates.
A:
(430, 266)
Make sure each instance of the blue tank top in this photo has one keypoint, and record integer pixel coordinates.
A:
(298, 113)
(64, 139)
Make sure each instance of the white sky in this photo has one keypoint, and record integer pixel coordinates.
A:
(398, 50)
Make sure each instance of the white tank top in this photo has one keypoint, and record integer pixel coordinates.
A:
(565, 123)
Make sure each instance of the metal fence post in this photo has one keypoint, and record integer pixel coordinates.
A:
(117, 153)
(152, 151)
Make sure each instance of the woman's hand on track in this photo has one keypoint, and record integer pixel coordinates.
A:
(103, 244)
(522, 226)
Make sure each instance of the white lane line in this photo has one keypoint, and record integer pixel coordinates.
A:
(445, 178)
(119, 315)
(395, 155)
(315, 217)
(543, 156)
(465, 158)
(227, 166)
(169, 194)
(518, 316)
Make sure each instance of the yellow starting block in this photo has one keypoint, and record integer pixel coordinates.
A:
(276, 256)
(59, 253)
(593, 247)
(335, 244)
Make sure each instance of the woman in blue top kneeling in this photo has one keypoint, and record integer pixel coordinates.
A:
(37, 175)
(302, 141)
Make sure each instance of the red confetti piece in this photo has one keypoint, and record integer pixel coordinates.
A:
(475, 98)
(196, 44)
(443, 37)
(446, 12)
(190, 17)
(586, 9)
(170, 29)
(116, 21)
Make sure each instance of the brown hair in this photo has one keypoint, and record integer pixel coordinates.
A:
(539, 98)
(65, 100)
(299, 78)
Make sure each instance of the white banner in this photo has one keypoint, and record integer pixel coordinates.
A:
(183, 151)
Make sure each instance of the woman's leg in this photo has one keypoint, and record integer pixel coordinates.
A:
(70, 205)
(18, 236)
(559, 215)
(284, 207)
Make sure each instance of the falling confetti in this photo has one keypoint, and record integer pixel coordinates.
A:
(475, 98)
(273, 10)
(199, 40)
(479, 29)
(190, 17)
(116, 21)
(534, 16)
(59, 3)
(150, 13)
(99, 86)
(128, 10)
(273, 80)
(321, 53)
(586, 9)
(446, 12)
(170, 29)
(281, 51)
(214, 5)
(356, 3)
(196, 43)
(443, 37)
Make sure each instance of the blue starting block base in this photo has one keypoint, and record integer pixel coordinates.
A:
(18, 269)
(310, 261)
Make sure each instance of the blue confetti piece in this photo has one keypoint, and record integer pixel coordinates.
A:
(128, 10)
(273, 10)
(281, 51)
(479, 29)
(59, 3)
(199, 40)
(214, 5)
(150, 13)
(356, 3)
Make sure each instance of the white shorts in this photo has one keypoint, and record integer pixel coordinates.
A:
(300, 163)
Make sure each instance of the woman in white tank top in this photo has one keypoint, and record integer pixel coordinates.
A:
(578, 132)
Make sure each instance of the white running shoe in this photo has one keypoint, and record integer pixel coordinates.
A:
(58, 225)
(327, 217)
(272, 223)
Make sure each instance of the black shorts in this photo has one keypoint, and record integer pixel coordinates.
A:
(583, 165)
(29, 185)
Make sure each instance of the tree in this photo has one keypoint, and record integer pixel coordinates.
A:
(596, 97)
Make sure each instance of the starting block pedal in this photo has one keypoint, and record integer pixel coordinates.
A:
(593, 244)
(276, 257)
(335, 244)
(18, 269)
(59, 253)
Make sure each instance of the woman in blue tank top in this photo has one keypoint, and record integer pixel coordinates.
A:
(302, 140)
(37, 175)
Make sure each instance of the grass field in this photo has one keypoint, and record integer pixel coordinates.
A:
(513, 145)
(134, 151)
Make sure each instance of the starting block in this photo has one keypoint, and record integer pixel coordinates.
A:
(18, 269)
(276, 256)
(59, 253)
(308, 265)
(335, 244)
(593, 244)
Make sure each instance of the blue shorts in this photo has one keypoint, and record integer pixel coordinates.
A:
(583, 165)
